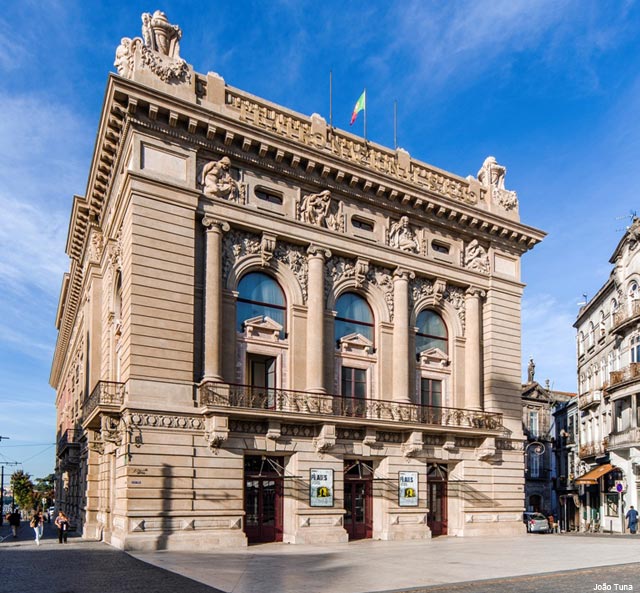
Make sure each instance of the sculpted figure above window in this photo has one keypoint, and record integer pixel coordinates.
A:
(318, 209)
(402, 236)
(217, 181)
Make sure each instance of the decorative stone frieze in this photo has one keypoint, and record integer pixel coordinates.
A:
(248, 427)
(236, 245)
(299, 430)
(390, 437)
(143, 419)
(294, 257)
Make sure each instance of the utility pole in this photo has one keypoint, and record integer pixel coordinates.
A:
(2, 464)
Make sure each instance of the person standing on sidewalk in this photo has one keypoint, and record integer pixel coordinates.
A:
(62, 523)
(632, 519)
(36, 524)
(14, 523)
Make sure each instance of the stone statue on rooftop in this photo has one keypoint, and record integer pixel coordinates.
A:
(158, 50)
(492, 175)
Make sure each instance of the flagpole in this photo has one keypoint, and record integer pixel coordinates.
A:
(331, 98)
(365, 114)
(395, 125)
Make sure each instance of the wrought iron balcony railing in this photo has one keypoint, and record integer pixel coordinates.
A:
(105, 393)
(69, 438)
(302, 402)
(623, 315)
(627, 373)
(589, 398)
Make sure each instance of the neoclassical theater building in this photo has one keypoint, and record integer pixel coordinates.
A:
(273, 330)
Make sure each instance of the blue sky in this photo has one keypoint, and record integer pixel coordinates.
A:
(550, 88)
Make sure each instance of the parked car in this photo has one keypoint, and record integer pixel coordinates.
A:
(535, 522)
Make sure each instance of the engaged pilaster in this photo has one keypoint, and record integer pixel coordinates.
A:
(213, 299)
(315, 319)
(473, 349)
(401, 356)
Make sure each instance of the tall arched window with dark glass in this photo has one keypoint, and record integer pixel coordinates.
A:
(432, 332)
(353, 316)
(260, 295)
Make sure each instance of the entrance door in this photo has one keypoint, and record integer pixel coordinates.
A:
(263, 498)
(358, 487)
(437, 499)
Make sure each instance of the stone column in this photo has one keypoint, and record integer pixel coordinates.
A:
(401, 357)
(473, 350)
(315, 319)
(213, 299)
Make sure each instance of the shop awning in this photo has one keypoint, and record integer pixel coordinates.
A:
(591, 477)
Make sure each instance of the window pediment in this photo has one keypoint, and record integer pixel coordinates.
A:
(355, 343)
(262, 327)
(433, 357)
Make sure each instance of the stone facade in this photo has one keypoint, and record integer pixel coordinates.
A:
(608, 349)
(274, 330)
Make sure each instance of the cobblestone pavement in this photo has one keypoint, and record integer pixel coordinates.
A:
(81, 567)
(92, 567)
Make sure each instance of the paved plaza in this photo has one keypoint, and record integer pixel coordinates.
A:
(526, 564)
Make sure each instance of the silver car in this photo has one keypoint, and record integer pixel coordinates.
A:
(536, 523)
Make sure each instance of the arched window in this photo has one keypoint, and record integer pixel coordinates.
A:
(633, 291)
(581, 344)
(592, 334)
(353, 316)
(259, 294)
(432, 332)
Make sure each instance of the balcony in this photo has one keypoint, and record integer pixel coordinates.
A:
(626, 374)
(282, 403)
(107, 396)
(624, 316)
(593, 449)
(625, 439)
(589, 398)
(70, 438)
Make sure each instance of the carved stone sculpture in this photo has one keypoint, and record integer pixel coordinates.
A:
(158, 50)
(491, 175)
(476, 258)
(402, 236)
(217, 181)
(320, 210)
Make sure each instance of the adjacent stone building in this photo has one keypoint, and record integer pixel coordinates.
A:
(608, 334)
(273, 330)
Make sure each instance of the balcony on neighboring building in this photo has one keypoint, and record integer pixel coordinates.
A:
(107, 396)
(625, 316)
(593, 449)
(625, 439)
(589, 398)
(628, 373)
(281, 403)
(68, 439)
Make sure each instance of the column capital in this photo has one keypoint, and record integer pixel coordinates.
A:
(474, 291)
(317, 251)
(403, 274)
(215, 224)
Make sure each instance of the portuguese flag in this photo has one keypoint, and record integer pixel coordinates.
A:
(360, 105)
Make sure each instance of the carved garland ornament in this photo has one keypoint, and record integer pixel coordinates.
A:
(159, 50)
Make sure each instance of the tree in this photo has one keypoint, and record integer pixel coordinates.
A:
(45, 487)
(22, 487)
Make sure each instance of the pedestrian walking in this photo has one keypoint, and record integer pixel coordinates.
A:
(62, 523)
(632, 519)
(36, 524)
(14, 522)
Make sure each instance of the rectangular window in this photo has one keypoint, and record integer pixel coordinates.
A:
(533, 423)
(363, 225)
(534, 464)
(611, 505)
(268, 196)
(354, 392)
(262, 378)
(440, 247)
(431, 392)
(623, 414)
